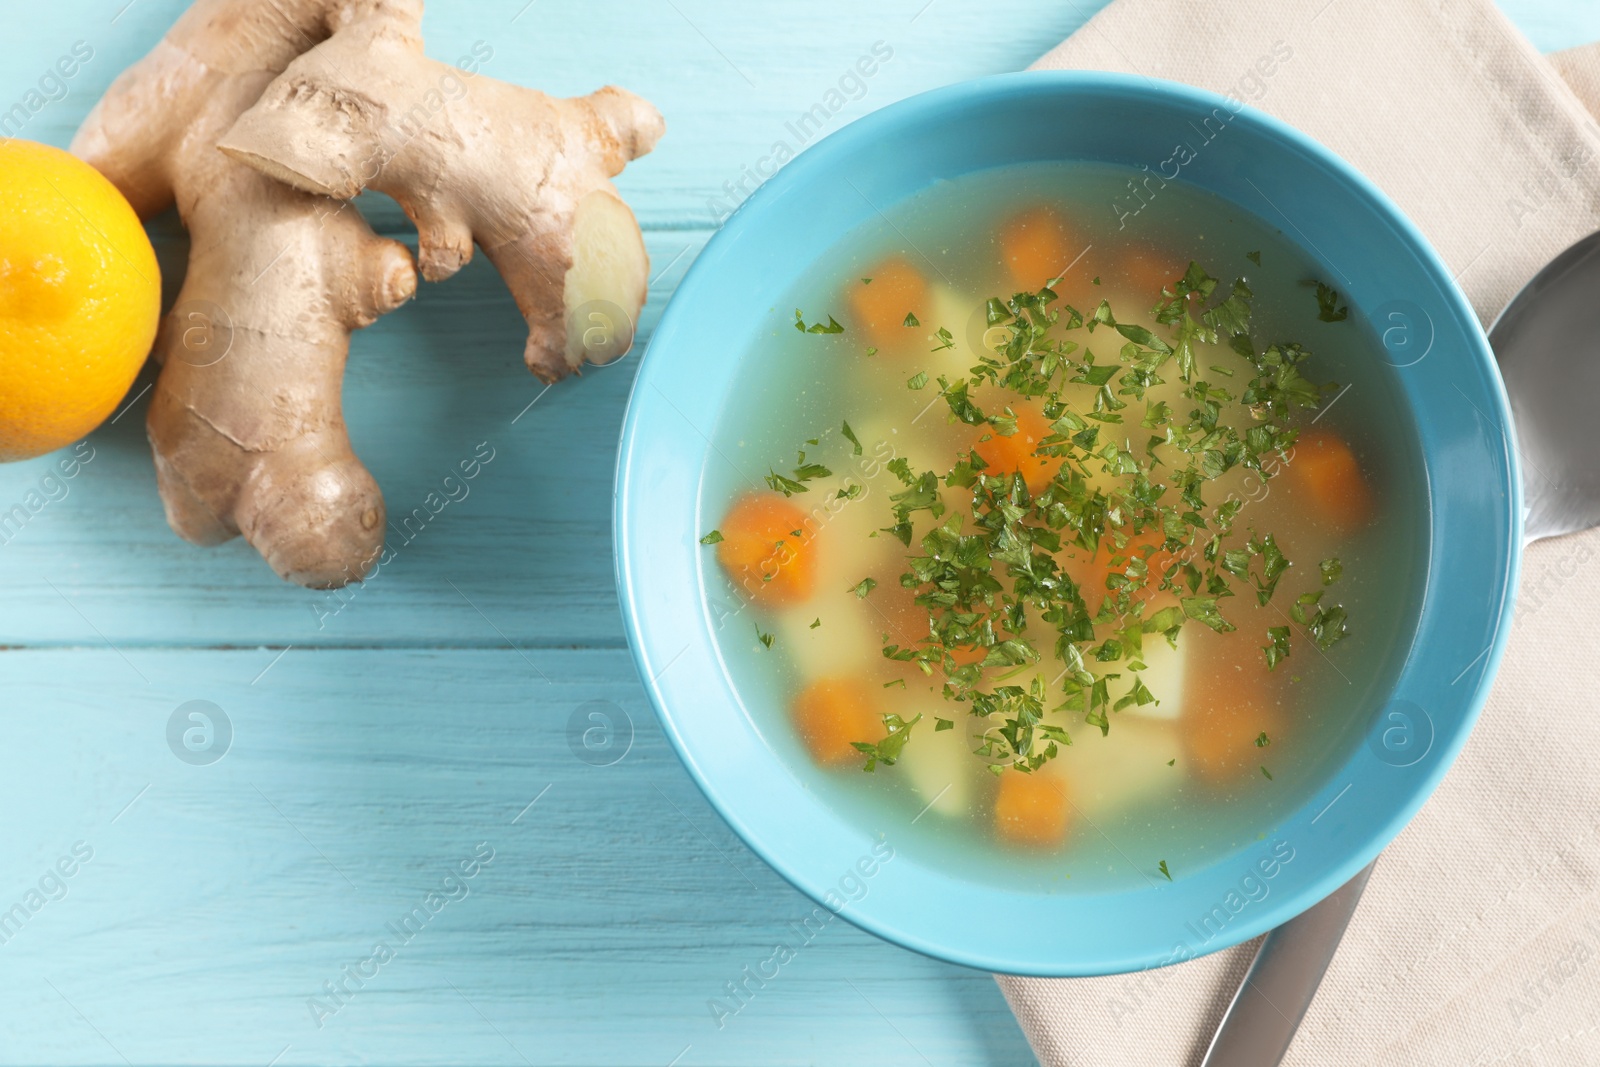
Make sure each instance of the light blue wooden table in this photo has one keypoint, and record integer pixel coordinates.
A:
(384, 737)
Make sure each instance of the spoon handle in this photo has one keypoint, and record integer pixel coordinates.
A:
(1282, 980)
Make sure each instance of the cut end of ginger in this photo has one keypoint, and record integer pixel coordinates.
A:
(608, 281)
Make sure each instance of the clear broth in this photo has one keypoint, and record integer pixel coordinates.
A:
(796, 387)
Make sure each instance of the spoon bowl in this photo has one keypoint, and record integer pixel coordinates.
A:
(1549, 354)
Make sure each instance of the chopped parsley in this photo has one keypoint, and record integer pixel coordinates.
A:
(983, 546)
(1277, 646)
(803, 472)
(780, 483)
(1133, 483)
(1325, 623)
(712, 538)
(1328, 307)
(816, 622)
(817, 327)
(888, 750)
(1162, 867)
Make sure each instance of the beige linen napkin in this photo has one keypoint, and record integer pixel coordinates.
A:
(1478, 941)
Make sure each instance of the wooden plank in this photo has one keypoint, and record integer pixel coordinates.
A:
(219, 898)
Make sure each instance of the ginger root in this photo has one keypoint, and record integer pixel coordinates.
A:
(471, 159)
(246, 422)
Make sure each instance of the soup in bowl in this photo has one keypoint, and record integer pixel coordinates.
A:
(1059, 551)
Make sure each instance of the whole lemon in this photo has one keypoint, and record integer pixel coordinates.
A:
(80, 298)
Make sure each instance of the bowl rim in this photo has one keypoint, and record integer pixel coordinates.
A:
(1162, 93)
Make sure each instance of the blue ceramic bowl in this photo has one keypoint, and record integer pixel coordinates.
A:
(1441, 365)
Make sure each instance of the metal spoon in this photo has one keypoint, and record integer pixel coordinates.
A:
(1282, 980)
(1549, 357)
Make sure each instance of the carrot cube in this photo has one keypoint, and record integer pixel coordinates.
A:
(1005, 455)
(1229, 702)
(1147, 271)
(831, 713)
(1326, 470)
(1036, 247)
(1031, 809)
(767, 549)
(879, 307)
